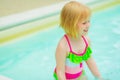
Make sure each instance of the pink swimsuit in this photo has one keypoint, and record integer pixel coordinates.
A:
(74, 65)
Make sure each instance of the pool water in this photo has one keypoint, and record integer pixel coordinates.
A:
(33, 57)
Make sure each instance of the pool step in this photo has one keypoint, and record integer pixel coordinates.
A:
(10, 30)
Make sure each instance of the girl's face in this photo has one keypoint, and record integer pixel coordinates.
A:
(83, 27)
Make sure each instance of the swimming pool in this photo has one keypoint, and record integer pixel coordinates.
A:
(32, 57)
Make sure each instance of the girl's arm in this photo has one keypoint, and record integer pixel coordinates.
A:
(60, 61)
(93, 67)
(92, 64)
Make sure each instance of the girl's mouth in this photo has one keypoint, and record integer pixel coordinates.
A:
(85, 30)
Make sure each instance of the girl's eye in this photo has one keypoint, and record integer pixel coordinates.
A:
(86, 22)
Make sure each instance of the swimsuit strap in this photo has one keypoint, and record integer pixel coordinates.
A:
(68, 42)
(85, 41)
(70, 45)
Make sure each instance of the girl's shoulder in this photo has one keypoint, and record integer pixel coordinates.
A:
(62, 43)
(62, 47)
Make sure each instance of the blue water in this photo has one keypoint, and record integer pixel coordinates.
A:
(32, 57)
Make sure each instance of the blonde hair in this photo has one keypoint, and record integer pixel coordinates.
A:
(72, 13)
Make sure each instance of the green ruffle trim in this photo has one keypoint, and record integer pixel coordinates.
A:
(78, 59)
(55, 76)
